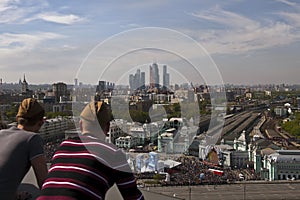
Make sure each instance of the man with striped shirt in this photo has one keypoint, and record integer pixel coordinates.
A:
(85, 167)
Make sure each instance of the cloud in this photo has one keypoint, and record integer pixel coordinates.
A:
(291, 17)
(287, 2)
(240, 34)
(226, 18)
(28, 52)
(15, 11)
(10, 12)
(131, 25)
(4, 5)
(10, 43)
(67, 19)
(139, 5)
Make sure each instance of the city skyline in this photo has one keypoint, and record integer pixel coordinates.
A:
(51, 41)
(138, 80)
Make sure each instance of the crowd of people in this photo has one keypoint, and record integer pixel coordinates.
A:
(193, 171)
(50, 148)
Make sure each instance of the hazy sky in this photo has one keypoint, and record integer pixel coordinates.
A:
(245, 41)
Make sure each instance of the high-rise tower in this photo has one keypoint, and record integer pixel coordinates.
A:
(154, 76)
(1, 85)
(76, 82)
(166, 77)
(143, 80)
(138, 78)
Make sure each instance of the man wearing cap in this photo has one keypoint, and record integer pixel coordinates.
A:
(20, 148)
(85, 167)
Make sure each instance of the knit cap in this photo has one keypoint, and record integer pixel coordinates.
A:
(97, 111)
(30, 108)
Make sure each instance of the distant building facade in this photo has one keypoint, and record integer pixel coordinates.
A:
(60, 92)
(283, 165)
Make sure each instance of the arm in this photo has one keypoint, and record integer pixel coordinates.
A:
(127, 186)
(124, 178)
(40, 169)
(37, 159)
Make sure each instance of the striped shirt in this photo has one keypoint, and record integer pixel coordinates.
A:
(85, 168)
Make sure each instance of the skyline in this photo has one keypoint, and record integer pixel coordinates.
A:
(51, 41)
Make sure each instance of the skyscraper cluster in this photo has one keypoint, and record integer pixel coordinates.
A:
(137, 80)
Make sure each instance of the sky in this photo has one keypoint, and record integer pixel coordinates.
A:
(232, 41)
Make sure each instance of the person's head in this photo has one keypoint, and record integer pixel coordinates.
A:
(95, 118)
(30, 115)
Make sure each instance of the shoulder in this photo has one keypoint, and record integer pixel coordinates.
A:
(92, 141)
(19, 133)
(30, 137)
(104, 147)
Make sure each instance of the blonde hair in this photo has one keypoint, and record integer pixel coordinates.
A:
(96, 115)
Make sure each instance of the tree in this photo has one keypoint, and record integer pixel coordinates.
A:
(139, 116)
(11, 113)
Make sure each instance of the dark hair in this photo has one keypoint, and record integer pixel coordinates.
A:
(31, 121)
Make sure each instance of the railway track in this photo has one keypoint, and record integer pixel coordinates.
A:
(271, 132)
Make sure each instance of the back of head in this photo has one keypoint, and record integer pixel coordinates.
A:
(96, 116)
(30, 112)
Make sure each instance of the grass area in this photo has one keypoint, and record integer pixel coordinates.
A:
(293, 126)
